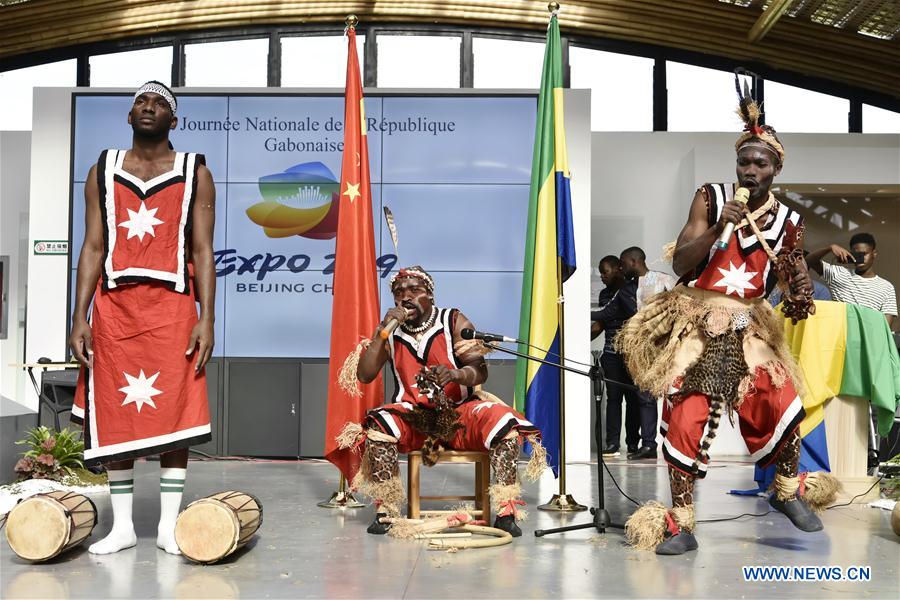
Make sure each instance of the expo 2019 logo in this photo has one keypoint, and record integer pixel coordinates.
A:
(302, 200)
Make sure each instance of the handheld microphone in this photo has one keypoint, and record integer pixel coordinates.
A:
(389, 328)
(741, 195)
(471, 334)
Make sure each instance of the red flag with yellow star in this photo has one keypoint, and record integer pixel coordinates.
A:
(354, 310)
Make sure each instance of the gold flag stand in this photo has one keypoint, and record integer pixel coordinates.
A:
(342, 498)
(562, 502)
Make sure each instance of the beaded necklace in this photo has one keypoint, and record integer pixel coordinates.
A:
(424, 326)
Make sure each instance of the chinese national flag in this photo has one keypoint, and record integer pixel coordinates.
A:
(354, 310)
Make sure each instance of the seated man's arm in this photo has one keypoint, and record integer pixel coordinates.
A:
(473, 370)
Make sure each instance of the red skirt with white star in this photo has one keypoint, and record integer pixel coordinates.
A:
(143, 395)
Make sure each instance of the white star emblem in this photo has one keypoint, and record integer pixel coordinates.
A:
(482, 405)
(140, 390)
(736, 279)
(141, 222)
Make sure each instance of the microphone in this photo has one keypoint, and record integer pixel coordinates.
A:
(471, 334)
(388, 329)
(741, 195)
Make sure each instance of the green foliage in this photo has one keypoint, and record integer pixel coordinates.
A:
(51, 455)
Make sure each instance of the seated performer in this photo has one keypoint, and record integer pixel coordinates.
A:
(713, 344)
(147, 259)
(428, 344)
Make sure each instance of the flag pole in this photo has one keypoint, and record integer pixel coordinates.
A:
(561, 502)
(342, 498)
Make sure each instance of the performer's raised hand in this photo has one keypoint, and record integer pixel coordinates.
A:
(82, 343)
(201, 340)
(396, 313)
(444, 374)
(732, 212)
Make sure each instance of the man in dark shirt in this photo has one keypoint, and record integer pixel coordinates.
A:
(618, 302)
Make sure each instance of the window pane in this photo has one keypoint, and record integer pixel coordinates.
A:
(702, 99)
(16, 90)
(507, 63)
(329, 69)
(418, 61)
(879, 120)
(790, 108)
(242, 63)
(621, 88)
(131, 69)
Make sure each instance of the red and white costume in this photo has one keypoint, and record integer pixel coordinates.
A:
(142, 395)
(484, 422)
(767, 413)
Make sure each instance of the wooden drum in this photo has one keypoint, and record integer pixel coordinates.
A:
(211, 528)
(45, 525)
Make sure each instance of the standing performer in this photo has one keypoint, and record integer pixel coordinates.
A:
(713, 344)
(147, 259)
(428, 340)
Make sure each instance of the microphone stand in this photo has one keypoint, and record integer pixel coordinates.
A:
(602, 520)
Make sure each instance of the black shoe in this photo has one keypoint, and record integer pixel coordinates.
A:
(508, 524)
(377, 527)
(678, 544)
(642, 453)
(611, 451)
(800, 514)
(632, 449)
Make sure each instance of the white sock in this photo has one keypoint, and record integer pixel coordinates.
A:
(171, 487)
(121, 495)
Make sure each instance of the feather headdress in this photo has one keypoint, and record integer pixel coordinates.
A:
(754, 134)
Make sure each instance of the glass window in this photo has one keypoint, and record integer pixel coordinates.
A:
(241, 63)
(317, 61)
(16, 88)
(507, 63)
(702, 99)
(790, 108)
(133, 68)
(418, 61)
(879, 120)
(621, 88)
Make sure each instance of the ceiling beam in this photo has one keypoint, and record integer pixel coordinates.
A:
(767, 20)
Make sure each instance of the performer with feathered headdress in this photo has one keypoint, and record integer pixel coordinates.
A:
(714, 346)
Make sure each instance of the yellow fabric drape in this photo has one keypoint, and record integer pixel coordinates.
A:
(819, 344)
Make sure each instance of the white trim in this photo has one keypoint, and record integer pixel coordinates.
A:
(110, 202)
(681, 457)
(152, 273)
(795, 407)
(177, 167)
(500, 423)
(158, 440)
(77, 411)
(389, 419)
(185, 206)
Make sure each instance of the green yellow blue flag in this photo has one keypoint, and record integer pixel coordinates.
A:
(549, 256)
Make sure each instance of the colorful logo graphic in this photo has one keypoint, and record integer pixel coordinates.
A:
(303, 200)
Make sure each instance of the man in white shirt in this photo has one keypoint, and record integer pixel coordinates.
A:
(650, 283)
(863, 286)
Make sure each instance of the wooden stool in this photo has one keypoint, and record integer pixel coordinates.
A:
(482, 462)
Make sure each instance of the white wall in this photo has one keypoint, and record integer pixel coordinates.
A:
(48, 276)
(644, 184)
(15, 158)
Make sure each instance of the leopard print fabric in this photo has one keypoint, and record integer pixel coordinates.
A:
(382, 461)
(504, 461)
(717, 373)
(682, 486)
(439, 423)
(789, 457)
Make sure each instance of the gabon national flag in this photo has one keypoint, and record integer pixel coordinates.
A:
(354, 310)
(549, 256)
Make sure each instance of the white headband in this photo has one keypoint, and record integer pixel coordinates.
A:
(157, 88)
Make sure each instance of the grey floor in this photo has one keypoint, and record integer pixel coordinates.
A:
(303, 551)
